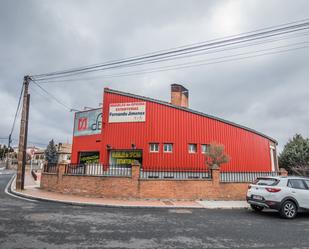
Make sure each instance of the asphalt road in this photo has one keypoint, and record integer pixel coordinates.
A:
(25, 224)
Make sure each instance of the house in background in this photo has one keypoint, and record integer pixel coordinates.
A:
(63, 152)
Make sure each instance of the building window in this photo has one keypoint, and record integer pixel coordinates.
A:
(168, 147)
(154, 147)
(192, 148)
(204, 148)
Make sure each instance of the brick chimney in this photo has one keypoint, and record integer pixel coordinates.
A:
(179, 95)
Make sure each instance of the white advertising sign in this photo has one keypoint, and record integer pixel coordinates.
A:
(88, 122)
(127, 112)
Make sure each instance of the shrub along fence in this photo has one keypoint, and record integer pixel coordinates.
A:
(114, 181)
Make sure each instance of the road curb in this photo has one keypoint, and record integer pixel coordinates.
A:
(73, 203)
(32, 198)
(8, 190)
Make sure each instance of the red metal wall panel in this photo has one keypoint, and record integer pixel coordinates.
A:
(164, 124)
(85, 143)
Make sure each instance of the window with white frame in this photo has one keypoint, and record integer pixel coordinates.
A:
(192, 148)
(204, 148)
(154, 147)
(168, 148)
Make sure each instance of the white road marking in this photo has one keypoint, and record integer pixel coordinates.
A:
(13, 195)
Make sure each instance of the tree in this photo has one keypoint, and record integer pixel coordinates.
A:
(295, 155)
(51, 153)
(215, 155)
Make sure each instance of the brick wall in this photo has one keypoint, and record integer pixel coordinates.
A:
(134, 187)
(191, 190)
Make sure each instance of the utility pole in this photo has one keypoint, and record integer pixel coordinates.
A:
(22, 146)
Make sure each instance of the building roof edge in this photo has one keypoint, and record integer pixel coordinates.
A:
(108, 90)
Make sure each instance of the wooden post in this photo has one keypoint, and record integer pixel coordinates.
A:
(23, 136)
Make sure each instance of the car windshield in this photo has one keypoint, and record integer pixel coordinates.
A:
(266, 181)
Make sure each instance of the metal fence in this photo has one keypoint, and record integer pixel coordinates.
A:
(51, 168)
(244, 176)
(98, 170)
(174, 173)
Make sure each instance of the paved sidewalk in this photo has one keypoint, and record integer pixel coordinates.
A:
(224, 204)
(32, 191)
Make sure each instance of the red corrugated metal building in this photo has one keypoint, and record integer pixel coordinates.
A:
(163, 134)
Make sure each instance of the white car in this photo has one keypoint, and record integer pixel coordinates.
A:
(288, 194)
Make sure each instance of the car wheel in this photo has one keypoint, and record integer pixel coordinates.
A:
(288, 210)
(256, 208)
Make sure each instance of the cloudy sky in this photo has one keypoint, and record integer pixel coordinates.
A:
(267, 93)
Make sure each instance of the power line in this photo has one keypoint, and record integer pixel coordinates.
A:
(152, 60)
(204, 62)
(53, 97)
(155, 60)
(175, 51)
(17, 111)
(37, 143)
(32, 142)
(206, 45)
(198, 43)
(184, 56)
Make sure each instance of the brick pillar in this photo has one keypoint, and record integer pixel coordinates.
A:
(135, 170)
(45, 166)
(283, 172)
(61, 170)
(215, 173)
(136, 166)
